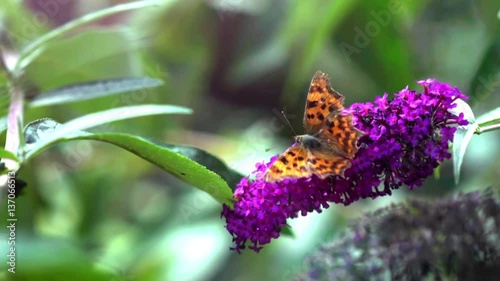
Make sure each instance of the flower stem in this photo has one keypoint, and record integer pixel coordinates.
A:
(14, 134)
(487, 127)
(14, 125)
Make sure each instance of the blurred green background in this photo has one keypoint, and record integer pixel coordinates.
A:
(92, 211)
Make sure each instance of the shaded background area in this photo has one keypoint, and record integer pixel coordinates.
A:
(94, 212)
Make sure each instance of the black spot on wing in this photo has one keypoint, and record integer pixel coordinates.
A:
(312, 104)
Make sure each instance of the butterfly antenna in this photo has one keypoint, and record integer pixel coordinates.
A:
(288, 122)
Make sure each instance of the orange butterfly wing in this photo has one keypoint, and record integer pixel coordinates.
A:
(291, 164)
(340, 135)
(299, 162)
(324, 164)
(334, 135)
(322, 101)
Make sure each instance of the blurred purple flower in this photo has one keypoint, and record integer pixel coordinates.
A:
(447, 239)
(406, 138)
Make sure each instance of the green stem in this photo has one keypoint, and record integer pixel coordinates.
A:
(14, 125)
(487, 128)
(14, 131)
(32, 50)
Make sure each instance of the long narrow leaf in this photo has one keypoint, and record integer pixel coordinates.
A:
(100, 118)
(91, 90)
(7, 154)
(178, 161)
(462, 136)
(489, 116)
(191, 165)
(485, 80)
(460, 141)
(30, 52)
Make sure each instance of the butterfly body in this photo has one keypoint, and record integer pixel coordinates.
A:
(308, 141)
(330, 141)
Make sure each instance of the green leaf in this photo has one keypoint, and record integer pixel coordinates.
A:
(67, 261)
(208, 160)
(287, 231)
(190, 164)
(91, 90)
(489, 117)
(33, 50)
(379, 53)
(461, 139)
(57, 65)
(7, 154)
(437, 172)
(488, 12)
(313, 36)
(37, 143)
(462, 136)
(487, 77)
(4, 99)
(3, 124)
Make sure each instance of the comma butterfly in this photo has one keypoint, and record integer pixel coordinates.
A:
(330, 141)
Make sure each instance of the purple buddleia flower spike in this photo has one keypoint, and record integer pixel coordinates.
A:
(406, 139)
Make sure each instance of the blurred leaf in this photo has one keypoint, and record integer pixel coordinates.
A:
(4, 86)
(7, 154)
(91, 90)
(437, 172)
(189, 164)
(489, 13)
(4, 100)
(3, 124)
(487, 77)
(19, 25)
(489, 116)
(287, 231)
(33, 49)
(327, 17)
(461, 139)
(462, 136)
(373, 38)
(53, 259)
(461, 107)
(58, 66)
(96, 119)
